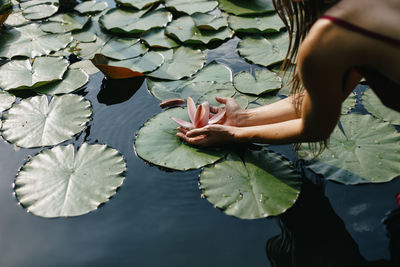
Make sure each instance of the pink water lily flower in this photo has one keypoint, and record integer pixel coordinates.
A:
(200, 116)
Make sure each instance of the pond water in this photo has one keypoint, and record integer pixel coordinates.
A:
(158, 218)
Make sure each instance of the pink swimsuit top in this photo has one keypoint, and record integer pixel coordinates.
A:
(389, 91)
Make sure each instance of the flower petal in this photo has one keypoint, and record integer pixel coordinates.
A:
(182, 122)
(191, 106)
(217, 117)
(202, 115)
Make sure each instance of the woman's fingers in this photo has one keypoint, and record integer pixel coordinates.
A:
(221, 100)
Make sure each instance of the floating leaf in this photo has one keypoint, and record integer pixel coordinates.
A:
(123, 48)
(84, 36)
(156, 38)
(22, 74)
(250, 7)
(139, 4)
(72, 80)
(91, 6)
(62, 23)
(191, 6)
(369, 152)
(34, 122)
(16, 19)
(209, 22)
(31, 41)
(260, 24)
(131, 21)
(349, 103)
(213, 72)
(85, 65)
(264, 82)
(58, 182)
(38, 9)
(374, 105)
(262, 51)
(184, 29)
(184, 63)
(6, 100)
(263, 185)
(157, 143)
(129, 68)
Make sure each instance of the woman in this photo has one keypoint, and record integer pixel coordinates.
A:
(334, 43)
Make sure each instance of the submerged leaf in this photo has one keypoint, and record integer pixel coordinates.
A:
(60, 182)
(265, 184)
(23, 74)
(368, 152)
(34, 122)
(157, 143)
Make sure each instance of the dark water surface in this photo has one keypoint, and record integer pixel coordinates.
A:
(157, 218)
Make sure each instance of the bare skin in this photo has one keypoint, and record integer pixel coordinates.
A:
(327, 54)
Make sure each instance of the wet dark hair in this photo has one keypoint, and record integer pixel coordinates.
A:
(298, 18)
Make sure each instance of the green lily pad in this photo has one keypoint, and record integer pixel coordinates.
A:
(123, 48)
(146, 63)
(213, 72)
(191, 6)
(139, 4)
(91, 6)
(349, 103)
(265, 81)
(120, 20)
(30, 41)
(34, 122)
(62, 23)
(184, 29)
(260, 24)
(84, 36)
(209, 22)
(60, 182)
(374, 105)
(23, 74)
(156, 38)
(85, 65)
(16, 19)
(369, 152)
(157, 143)
(73, 79)
(6, 100)
(262, 185)
(39, 9)
(184, 63)
(249, 7)
(264, 51)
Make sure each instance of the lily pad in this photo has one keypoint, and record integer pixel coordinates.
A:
(39, 9)
(191, 6)
(23, 74)
(184, 63)
(213, 72)
(156, 38)
(209, 22)
(349, 103)
(264, 51)
(73, 79)
(30, 41)
(123, 48)
(91, 6)
(374, 105)
(139, 4)
(84, 36)
(62, 23)
(262, 185)
(368, 152)
(184, 29)
(264, 82)
(126, 21)
(16, 19)
(60, 182)
(157, 143)
(128, 68)
(6, 100)
(85, 65)
(260, 24)
(249, 7)
(34, 122)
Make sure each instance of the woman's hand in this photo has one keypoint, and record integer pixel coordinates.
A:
(210, 135)
(234, 113)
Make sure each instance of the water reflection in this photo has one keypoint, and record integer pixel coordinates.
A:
(312, 234)
(115, 91)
